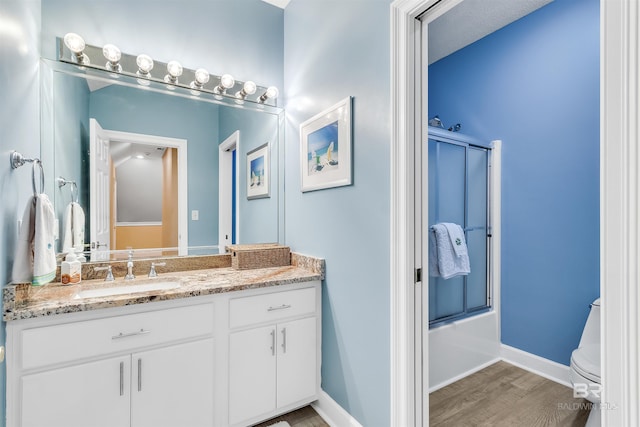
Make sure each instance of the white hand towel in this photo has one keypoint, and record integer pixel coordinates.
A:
(35, 260)
(456, 235)
(433, 254)
(449, 264)
(73, 228)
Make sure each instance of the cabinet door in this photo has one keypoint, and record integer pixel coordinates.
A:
(92, 394)
(173, 386)
(297, 364)
(252, 373)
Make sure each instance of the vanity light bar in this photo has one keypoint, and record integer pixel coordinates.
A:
(73, 50)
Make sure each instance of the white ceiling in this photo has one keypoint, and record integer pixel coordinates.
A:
(280, 3)
(467, 23)
(471, 20)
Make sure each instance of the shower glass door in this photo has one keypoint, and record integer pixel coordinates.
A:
(459, 193)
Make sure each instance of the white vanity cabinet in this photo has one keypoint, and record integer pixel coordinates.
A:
(153, 368)
(228, 359)
(273, 353)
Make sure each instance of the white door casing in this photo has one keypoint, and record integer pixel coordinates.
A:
(99, 206)
(225, 222)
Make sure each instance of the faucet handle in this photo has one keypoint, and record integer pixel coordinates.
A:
(152, 271)
(109, 277)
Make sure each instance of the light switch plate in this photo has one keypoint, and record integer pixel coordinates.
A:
(1, 354)
(195, 215)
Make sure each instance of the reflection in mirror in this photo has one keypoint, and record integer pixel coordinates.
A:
(148, 166)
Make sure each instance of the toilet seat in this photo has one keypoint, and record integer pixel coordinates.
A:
(586, 362)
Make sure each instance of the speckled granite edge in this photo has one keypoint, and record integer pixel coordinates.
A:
(308, 263)
(23, 301)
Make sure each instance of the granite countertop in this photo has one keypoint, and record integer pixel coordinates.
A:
(23, 301)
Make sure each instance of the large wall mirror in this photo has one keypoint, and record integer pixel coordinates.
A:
(161, 171)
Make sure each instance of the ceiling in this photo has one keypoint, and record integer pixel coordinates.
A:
(471, 20)
(467, 23)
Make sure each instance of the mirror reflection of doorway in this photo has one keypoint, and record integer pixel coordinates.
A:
(134, 198)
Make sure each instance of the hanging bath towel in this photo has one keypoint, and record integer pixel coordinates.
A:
(73, 228)
(448, 254)
(35, 259)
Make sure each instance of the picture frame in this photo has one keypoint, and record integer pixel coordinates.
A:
(258, 173)
(325, 148)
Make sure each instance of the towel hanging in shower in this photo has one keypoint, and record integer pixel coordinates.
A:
(448, 254)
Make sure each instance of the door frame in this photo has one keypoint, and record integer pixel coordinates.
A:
(181, 146)
(225, 156)
(619, 211)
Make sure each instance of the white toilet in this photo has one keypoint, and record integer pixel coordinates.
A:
(585, 365)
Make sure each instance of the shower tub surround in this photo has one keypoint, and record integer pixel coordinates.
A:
(221, 347)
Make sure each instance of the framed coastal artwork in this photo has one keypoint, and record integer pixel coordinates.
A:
(258, 173)
(325, 149)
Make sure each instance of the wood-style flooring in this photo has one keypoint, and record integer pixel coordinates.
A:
(303, 417)
(503, 395)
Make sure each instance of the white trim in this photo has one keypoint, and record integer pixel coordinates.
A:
(406, 393)
(334, 414)
(225, 160)
(538, 365)
(181, 146)
(138, 224)
(496, 231)
(619, 211)
(466, 374)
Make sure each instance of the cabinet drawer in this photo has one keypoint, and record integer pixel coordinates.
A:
(71, 341)
(271, 307)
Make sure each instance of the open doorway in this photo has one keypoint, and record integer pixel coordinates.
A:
(136, 199)
(409, 113)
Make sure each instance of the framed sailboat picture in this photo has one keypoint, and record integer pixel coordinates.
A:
(258, 173)
(325, 149)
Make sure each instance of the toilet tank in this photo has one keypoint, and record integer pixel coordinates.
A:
(591, 332)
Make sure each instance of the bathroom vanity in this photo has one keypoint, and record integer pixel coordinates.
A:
(219, 347)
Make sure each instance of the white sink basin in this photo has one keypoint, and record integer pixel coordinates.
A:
(126, 289)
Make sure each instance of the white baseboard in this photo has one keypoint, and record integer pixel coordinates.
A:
(463, 375)
(538, 365)
(334, 414)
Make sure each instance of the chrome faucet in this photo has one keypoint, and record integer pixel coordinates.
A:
(130, 275)
(152, 271)
(109, 276)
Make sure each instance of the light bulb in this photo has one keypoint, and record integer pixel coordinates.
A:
(201, 78)
(113, 55)
(272, 92)
(226, 82)
(76, 44)
(145, 64)
(175, 70)
(249, 88)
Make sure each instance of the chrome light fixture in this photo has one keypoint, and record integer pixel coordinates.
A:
(76, 44)
(175, 70)
(249, 88)
(73, 49)
(112, 54)
(271, 93)
(226, 82)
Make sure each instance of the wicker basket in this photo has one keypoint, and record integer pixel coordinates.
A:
(244, 257)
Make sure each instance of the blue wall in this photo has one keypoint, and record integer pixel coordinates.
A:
(19, 129)
(141, 111)
(334, 49)
(535, 85)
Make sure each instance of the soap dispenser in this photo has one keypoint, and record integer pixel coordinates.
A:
(71, 268)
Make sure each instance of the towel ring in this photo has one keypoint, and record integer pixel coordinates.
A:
(33, 177)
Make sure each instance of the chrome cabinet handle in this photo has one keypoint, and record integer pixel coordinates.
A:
(121, 378)
(273, 342)
(130, 334)
(284, 340)
(139, 374)
(280, 307)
